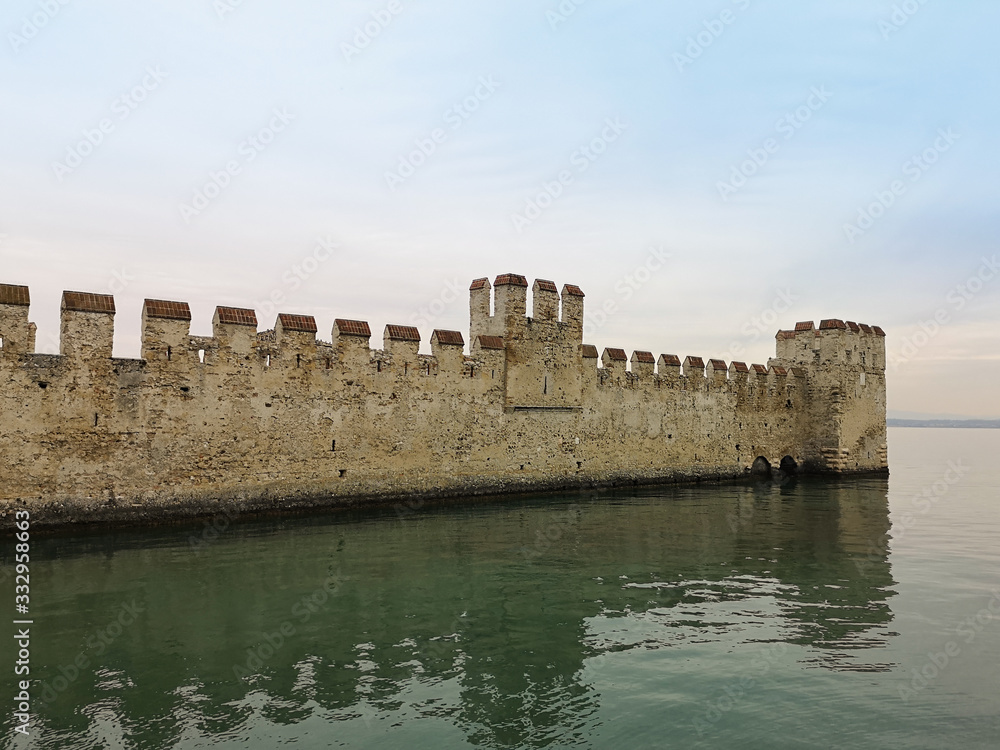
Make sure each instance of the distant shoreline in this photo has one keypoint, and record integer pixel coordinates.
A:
(973, 423)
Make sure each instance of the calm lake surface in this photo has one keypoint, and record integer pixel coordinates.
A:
(862, 613)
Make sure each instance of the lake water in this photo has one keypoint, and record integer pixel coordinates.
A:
(861, 613)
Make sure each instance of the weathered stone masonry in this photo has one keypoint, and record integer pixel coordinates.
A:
(252, 420)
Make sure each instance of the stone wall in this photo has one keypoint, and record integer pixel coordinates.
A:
(278, 419)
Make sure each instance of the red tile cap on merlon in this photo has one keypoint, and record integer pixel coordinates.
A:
(616, 355)
(510, 279)
(491, 342)
(573, 290)
(779, 370)
(161, 308)
(853, 326)
(87, 302)
(402, 333)
(718, 364)
(739, 367)
(299, 323)
(695, 362)
(12, 294)
(784, 335)
(832, 324)
(482, 283)
(546, 286)
(806, 326)
(448, 338)
(236, 316)
(645, 358)
(759, 369)
(671, 360)
(589, 351)
(878, 331)
(865, 327)
(352, 327)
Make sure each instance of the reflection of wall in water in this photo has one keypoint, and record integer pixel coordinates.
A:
(449, 596)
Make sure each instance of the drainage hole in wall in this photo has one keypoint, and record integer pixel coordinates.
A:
(342, 472)
(43, 384)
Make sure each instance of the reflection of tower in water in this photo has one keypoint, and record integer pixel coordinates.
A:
(462, 614)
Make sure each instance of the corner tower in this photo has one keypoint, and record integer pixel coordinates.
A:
(845, 362)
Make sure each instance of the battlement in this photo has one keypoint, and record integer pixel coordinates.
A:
(544, 358)
(835, 342)
(281, 410)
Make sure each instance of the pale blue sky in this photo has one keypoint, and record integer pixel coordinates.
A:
(887, 91)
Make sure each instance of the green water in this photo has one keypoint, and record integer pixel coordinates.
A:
(749, 616)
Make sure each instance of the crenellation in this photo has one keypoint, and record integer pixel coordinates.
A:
(402, 344)
(510, 301)
(448, 348)
(235, 332)
(295, 341)
(717, 371)
(87, 326)
(278, 413)
(669, 366)
(694, 368)
(350, 339)
(166, 327)
(643, 365)
(544, 300)
(572, 309)
(614, 359)
(480, 318)
(17, 333)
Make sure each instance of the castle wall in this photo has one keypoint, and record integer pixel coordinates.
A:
(275, 419)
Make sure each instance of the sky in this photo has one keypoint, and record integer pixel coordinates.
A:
(707, 172)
